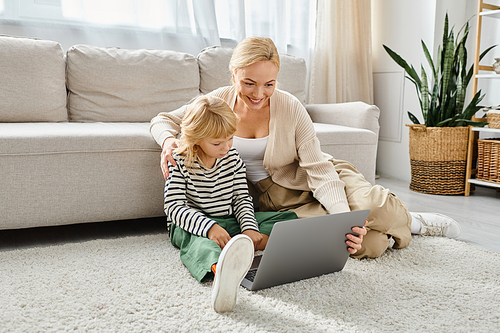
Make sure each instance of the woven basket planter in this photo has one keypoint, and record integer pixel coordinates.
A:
(488, 160)
(493, 119)
(438, 157)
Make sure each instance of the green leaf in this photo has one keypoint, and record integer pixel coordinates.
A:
(451, 106)
(447, 65)
(401, 62)
(473, 106)
(475, 123)
(461, 87)
(465, 35)
(434, 107)
(465, 122)
(471, 69)
(429, 60)
(445, 31)
(438, 62)
(424, 101)
(417, 87)
(444, 123)
(465, 29)
(413, 118)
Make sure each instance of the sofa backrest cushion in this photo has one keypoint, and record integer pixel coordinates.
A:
(214, 71)
(120, 85)
(32, 80)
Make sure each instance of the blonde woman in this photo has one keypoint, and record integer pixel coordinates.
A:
(210, 214)
(276, 139)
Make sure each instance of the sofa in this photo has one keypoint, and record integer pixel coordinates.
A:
(75, 145)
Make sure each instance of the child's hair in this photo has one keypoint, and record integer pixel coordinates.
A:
(206, 117)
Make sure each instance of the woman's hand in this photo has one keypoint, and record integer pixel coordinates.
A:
(219, 235)
(166, 155)
(354, 242)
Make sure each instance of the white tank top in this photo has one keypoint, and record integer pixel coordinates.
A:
(252, 153)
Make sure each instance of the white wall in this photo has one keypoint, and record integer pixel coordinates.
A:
(401, 25)
(490, 36)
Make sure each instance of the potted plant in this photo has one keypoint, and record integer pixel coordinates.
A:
(438, 147)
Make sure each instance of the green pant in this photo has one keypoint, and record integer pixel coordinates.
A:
(200, 253)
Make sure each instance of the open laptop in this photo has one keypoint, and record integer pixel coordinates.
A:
(303, 248)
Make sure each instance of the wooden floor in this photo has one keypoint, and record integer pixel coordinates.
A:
(478, 215)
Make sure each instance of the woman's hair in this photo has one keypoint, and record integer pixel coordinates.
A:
(252, 50)
(206, 117)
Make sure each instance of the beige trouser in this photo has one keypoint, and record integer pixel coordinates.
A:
(388, 215)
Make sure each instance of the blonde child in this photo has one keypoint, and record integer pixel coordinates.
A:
(210, 214)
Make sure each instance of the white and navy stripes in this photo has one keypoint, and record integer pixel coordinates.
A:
(192, 193)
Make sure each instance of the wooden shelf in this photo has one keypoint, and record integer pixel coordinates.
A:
(485, 129)
(483, 10)
(491, 13)
(483, 183)
(487, 76)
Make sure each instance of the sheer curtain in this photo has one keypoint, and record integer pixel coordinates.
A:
(290, 23)
(192, 23)
(342, 61)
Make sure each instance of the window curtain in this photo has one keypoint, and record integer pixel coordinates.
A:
(290, 23)
(189, 22)
(342, 60)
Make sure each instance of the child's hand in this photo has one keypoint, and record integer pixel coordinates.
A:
(255, 236)
(219, 235)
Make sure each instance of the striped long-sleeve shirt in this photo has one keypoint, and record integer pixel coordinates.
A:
(192, 194)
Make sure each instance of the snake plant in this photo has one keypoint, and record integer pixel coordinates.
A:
(442, 100)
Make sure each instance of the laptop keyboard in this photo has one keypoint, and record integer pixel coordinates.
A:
(251, 275)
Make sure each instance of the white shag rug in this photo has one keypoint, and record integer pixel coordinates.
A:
(138, 284)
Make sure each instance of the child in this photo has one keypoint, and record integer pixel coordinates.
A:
(209, 211)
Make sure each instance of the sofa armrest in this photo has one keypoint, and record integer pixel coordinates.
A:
(352, 114)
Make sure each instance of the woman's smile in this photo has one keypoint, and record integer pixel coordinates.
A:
(255, 101)
(255, 84)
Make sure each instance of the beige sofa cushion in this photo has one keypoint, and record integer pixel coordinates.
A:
(32, 80)
(214, 68)
(113, 84)
(214, 71)
(71, 172)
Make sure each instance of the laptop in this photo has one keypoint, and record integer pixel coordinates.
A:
(303, 248)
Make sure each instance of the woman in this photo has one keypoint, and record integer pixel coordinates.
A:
(276, 139)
